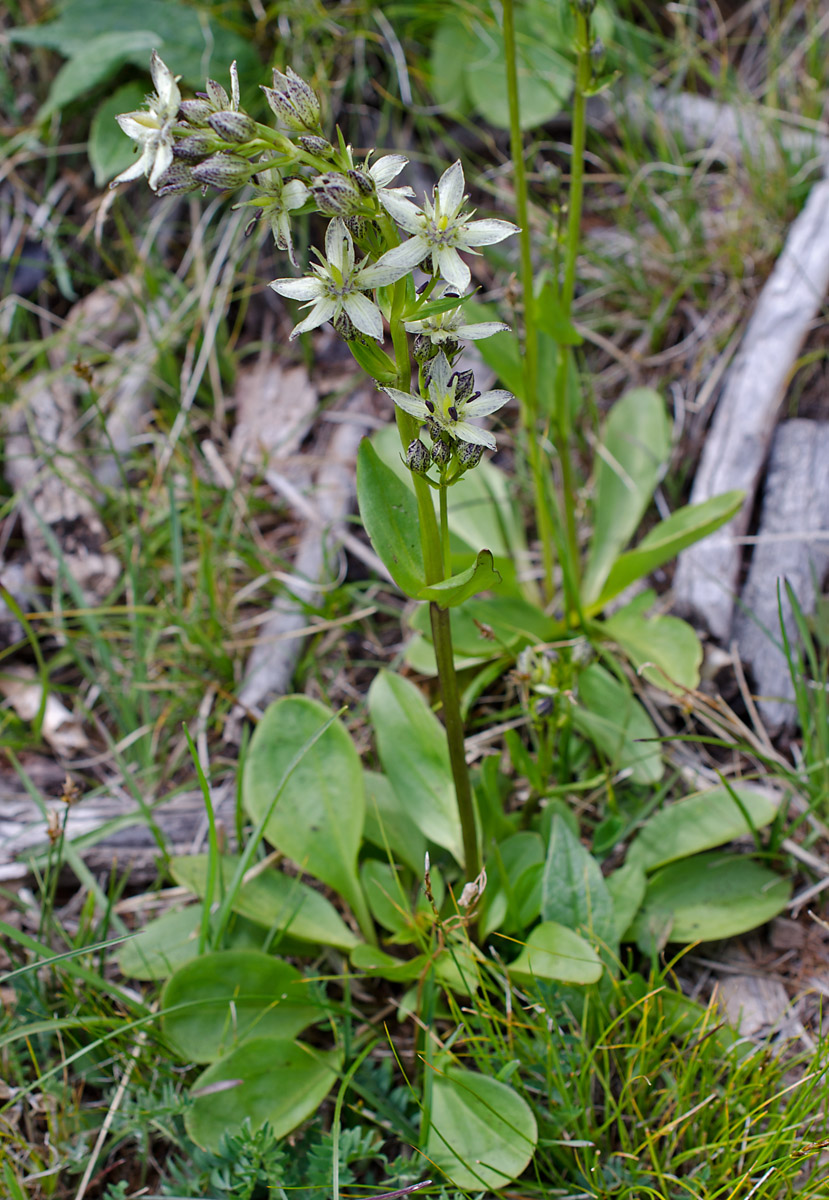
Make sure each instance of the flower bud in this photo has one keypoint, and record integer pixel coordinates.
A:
(469, 455)
(223, 171)
(464, 385)
(417, 457)
(597, 53)
(357, 226)
(195, 112)
(316, 145)
(423, 349)
(344, 326)
(363, 181)
(336, 195)
(585, 7)
(232, 126)
(441, 453)
(176, 180)
(293, 101)
(195, 147)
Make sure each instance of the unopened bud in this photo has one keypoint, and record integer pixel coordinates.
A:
(585, 7)
(363, 181)
(336, 195)
(451, 349)
(293, 101)
(417, 457)
(316, 145)
(195, 112)
(195, 147)
(357, 226)
(441, 453)
(597, 53)
(469, 455)
(223, 171)
(176, 180)
(344, 326)
(423, 349)
(464, 385)
(232, 126)
(216, 94)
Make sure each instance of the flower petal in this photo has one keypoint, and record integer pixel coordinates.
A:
(140, 126)
(394, 264)
(413, 405)
(387, 168)
(164, 82)
(483, 329)
(294, 194)
(473, 435)
(298, 289)
(407, 215)
(135, 170)
(323, 311)
(337, 241)
(365, 315)
(450, 189)
(487, 403)
(440, 373)
(162, 160)
(485, 233)
(452, 267)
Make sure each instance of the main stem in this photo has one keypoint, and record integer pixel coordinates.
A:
(529, 403)
(435, 556)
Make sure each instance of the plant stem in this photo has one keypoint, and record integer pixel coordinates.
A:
(435, 544)
(584, 74)
(453, 722)
(529, 404)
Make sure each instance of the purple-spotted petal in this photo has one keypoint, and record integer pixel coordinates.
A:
(452, 267)
(394, 264)
(483, 329)
(323, 311)
(387, 168)
(473, 435)
(298, 289)
(450, 189)
(402, 211)
(485, 233)
(487, 403)
(413, 405)
(365, 315)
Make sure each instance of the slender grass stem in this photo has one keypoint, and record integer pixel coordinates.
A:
(529, 404)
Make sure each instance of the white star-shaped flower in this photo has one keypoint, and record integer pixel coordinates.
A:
(277, 200)
(387, 168)
(338, 285)
(449, 325)
(440, 229)
(153, 129)
(442, 406)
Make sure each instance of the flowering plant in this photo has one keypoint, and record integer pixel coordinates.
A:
(376, 238)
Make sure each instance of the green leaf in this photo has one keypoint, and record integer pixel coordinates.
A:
(632, 450)
(318, 820)
(573, 890)
(611, 717)
(374, 361)
(386, 897)
(411, 743)
(389, 825)
(627, 887)
(389, 512)
(552, 318)
(545, 77)
(700, 822)
(271, 1079)
(480, 577)
(272, 899)
(552, 951)
(110, 152)
(169, 941)
(220, 1000)
(512, 899)
(99, 58)
(706, 898)
(668, 643)
(482, 1133)
(683, 528)
(372, 961)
